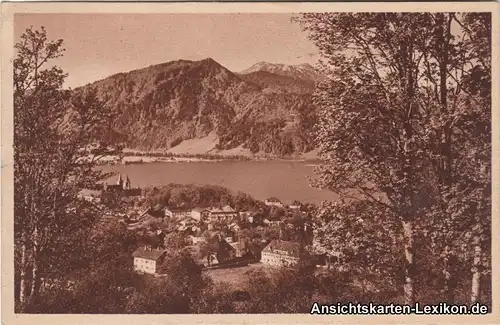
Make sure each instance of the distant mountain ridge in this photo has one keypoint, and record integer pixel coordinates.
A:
(303, 71)
(161, 106)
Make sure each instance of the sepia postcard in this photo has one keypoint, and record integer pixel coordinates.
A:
(264, 163)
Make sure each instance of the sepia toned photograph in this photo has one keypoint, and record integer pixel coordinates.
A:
(320, 163)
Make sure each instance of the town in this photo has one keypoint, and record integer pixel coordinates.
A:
(269, 233)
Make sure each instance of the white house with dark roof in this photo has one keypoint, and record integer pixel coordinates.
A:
(176, 213)
(273, 201)
(90, 195)
(281, 253)
(224, 214)
(295, 205)
(147, 259)
(199, 213)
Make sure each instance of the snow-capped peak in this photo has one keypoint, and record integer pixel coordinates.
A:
(300, 71)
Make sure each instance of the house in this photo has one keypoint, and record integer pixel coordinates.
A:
(176, 213)
(199, 214)
(238, 248)
(225, 214)
(234, 227)
(296, 205)
(187, 221)
(147, 259)
(155, 212)
(268, 222)
(197, 239)
(222, 249)
(281, 253)
(90, 195)
(159, 208)
(255, 218)
(272, 201)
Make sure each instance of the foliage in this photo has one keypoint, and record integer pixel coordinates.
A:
(284, 291)
(367, 245)
(216, 298)
(158, 296)
(191, 196)
(175, 241)
(53, 130)
(103, 280)
(399, 123)
(272, 137)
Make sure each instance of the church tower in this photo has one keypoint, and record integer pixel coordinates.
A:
(127, 184)
(119, 181)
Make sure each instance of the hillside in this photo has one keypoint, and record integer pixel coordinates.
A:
(279, 83)
(163, 106)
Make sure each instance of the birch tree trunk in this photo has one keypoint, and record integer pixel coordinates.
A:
(35, 274)
(448, 275)
(476, 269)
(409, 247)
(22, 275)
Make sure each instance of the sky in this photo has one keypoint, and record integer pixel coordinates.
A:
(99, 45)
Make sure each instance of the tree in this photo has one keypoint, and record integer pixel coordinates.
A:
(370, 124)
(53, 132)
(216, 298)
(159, 296)
(282, 291)
(244, 202)
(175, 241)
(474, 186)
(103, 281)
(395, 123)
(450, 62)
(276, 213)
(185, 275)
(365, 246)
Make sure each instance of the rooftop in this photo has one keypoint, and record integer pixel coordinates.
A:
(292, 248)
(158, 207)
(148, 253)
(177, 209)
(228, 208)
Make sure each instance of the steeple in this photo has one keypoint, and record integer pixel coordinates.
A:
(120, 181)
(127, 184)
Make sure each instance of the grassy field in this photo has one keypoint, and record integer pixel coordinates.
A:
(235, 276)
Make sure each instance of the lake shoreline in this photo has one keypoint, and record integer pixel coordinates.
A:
(128, 158)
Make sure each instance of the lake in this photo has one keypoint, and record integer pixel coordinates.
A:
(286, 180)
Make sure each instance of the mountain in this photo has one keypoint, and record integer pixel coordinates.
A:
(301, 72)
(279, 83)
(163, 106)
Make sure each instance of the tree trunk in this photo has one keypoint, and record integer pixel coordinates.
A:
(476, 270)
(36, 281)
(25, 274)
(449, 276)
(22, 276)
(409, 246)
